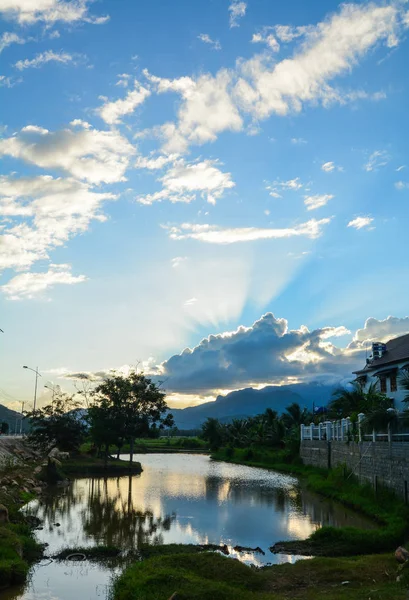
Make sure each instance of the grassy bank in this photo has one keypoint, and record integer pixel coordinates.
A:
(169, 444)
(391, 514)
(18, 548)
(200, 576)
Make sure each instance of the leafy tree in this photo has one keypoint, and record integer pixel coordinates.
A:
(346, 402)
(212, 432)
(294, 416)
(126, 407)
(4, 428)
(57, 424)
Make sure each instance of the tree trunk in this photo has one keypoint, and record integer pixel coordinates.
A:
(118, 452)
(106, 455)
(132, 441)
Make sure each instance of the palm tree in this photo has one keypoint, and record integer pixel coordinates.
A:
(295, 416)
(346, 402)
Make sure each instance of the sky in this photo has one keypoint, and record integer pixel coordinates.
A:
(215, 191)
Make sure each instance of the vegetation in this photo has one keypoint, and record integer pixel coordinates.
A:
(267, 430)
(200, 576)
(124, 408)
(57, 424)
(91, 465)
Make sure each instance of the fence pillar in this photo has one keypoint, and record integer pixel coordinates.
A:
(389, 433)
(342, 429)
(320, 431)
(373, 435)
(329, 430)
(302, 427)
(361, 417)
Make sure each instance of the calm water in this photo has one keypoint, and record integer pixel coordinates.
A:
(178, 498)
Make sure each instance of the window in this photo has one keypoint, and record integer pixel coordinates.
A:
(382, 381)
(394, 385)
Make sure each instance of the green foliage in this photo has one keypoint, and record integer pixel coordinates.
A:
(347, 401)
(127, 407)
(199, 576)
(57, 424)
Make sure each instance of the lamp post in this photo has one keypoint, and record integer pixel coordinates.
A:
(35, 388)
(22, 417)
(52, 388)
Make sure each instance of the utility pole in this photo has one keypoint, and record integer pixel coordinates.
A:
(35, 388)
(22, 417)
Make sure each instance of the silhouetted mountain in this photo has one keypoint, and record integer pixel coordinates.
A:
(249, 402)
(10, 417)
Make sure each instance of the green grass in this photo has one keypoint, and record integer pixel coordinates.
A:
(207, 576)
(390, 513)
(165, 445)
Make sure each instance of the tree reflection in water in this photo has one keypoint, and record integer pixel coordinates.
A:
(104, 510)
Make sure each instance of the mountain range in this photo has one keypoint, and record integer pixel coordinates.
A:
(249, 402)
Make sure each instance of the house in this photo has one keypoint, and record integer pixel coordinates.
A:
(384, 366)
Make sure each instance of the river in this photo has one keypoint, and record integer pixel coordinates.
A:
(179, 498)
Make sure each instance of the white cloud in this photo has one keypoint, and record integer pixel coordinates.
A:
(298, 141)
(383, 330)
(153, 163)
(213, 234)
(268, 39)
(402, 185)
(27, 12)
(237, 11)
(262, 86)
(401, 168)
(177, 261)
(190, 302)
(328, 167)
(283, 186)
(112, 112)
(207, 109)
(317, 201)
(215, 44)
(42, 213)
(44, 58)
(29, 285)
(184, 180)
(8, 38)
(9, 82)
(90, 154)
(286, 33)
(377, 159)
(123, 80)
(360, 222)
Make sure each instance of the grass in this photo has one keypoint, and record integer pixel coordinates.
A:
(391, 514)
(169, 444)
(18, 548)
(200, 576)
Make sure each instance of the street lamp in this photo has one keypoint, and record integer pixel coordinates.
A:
(52, 388)
(35, 388)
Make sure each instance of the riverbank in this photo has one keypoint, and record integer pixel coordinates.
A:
(197, 575)
(86, 466)
(18, 547)
(383, 507)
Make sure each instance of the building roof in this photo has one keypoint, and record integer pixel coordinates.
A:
(397, 350)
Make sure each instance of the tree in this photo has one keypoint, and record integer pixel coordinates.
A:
(57, 424)
(212, 432)
(295, 416)
(4, 428)
(346, 401)
(126, 407)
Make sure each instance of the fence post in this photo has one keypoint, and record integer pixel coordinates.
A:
(373, 435)
(329, 431)
(320, 431)
(389, 433)
(302, 432)
(361, 417)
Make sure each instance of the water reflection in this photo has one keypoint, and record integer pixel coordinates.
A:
(178, 498)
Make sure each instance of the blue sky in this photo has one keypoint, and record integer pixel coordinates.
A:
(173, 170)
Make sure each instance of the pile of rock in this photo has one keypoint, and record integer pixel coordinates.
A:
(402, 556)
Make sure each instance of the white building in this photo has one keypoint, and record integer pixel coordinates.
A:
(384, 366)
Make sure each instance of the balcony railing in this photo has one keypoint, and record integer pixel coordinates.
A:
(346, 430)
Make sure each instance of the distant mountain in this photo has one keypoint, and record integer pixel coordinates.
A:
(249, 402)
(11, 417)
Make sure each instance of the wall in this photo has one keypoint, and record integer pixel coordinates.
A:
(372, 462)
(397, 396)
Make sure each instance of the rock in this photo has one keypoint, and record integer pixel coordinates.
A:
(37, 490)
(4, 514)
(57, 524)
(401, 555)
